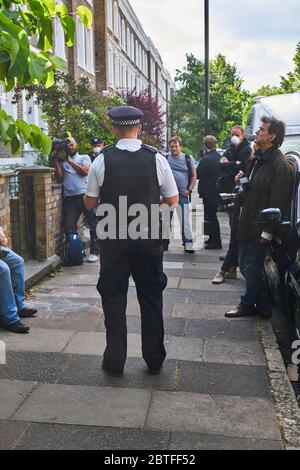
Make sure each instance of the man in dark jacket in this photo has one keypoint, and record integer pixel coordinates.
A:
(208, 174)
(271, 179)
(235, 159)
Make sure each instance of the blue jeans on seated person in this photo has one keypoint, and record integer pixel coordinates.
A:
(12, 286)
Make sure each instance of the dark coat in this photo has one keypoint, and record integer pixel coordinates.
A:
(271, 187)
(208, 173)
(241, 153)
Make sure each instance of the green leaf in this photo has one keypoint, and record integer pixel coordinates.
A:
(9, 83)
(46, 35)
(85, 15)
(58, 62)
(46, 143)
(50, 79)
(51, 6)
(61, 9)
(14, 50)
(16, 145)
(3, 122)
(4, 56)
(69, 29)
(24, 128)
(37, 68)
(37, 8)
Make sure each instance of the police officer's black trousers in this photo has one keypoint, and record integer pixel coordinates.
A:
(144, 261)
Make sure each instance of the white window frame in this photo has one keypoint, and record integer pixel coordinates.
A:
(59, 40)
(116, 19)
(109, 14)
(5, 102)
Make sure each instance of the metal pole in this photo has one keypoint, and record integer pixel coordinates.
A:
(207, 101)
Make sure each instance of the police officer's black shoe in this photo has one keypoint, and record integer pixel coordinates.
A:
(16, 327)
(111, 372)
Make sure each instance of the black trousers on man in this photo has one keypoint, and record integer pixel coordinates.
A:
(73, 207)
(210, 215)
(143, 259)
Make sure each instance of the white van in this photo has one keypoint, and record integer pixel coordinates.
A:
(286, 108)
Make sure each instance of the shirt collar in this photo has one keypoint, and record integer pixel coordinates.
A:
(132, 145)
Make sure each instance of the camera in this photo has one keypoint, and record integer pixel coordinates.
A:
(61, 146)
(239, 193)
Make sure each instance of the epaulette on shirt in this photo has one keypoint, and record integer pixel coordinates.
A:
(107, 147)
(150, 148)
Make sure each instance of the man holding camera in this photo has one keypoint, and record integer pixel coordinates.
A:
(270, 186)
(73, 172)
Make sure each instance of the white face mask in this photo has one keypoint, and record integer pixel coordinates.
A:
(97, 150)
(235, 140)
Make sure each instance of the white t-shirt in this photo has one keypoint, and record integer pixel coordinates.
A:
(166, 181)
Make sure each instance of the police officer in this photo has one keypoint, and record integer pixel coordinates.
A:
(142, 176)
(97, 145)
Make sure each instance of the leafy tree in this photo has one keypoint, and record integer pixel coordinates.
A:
(75, 108)
(153, 123)
(227, 96)
(291, 83)
(22, 21)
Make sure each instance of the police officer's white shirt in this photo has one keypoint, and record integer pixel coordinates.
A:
(166, 181)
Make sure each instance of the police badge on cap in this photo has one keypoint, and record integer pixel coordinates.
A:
(96, 141)
(126, 116)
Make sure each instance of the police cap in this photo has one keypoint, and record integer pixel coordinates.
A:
(125, 116)
(96, 140)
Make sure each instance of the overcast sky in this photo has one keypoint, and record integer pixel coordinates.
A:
(260, 36)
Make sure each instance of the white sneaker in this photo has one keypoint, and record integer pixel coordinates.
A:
(92, 259)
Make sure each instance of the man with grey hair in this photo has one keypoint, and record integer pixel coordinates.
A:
(208, 174)
(73, 174)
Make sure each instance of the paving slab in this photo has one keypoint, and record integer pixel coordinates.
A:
(62, 437)
(207, 285)
(11, 433)
(223, 379)
(133, 308)
(39, 340)
(253, 417)
(207, 414)
(233, 351)
(201, 311)
(184, 348)
(188, 412)
(34, 367)
(94, 406)
(13, 393)
(191, 441)
(233, 329)
(69, 292)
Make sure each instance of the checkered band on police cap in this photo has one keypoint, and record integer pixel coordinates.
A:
(125, 116)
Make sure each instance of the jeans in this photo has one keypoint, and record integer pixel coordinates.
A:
(232, 255)
(73, 207)
(144, 260)
(210, 215)
(251, 263)
(183, 211)
(12, 287)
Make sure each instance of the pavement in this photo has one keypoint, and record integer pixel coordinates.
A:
(213, 392)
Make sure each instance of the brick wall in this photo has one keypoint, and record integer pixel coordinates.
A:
(5, 204)
(100, 41)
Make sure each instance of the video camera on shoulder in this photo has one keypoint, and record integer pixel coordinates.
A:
(61, 147)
